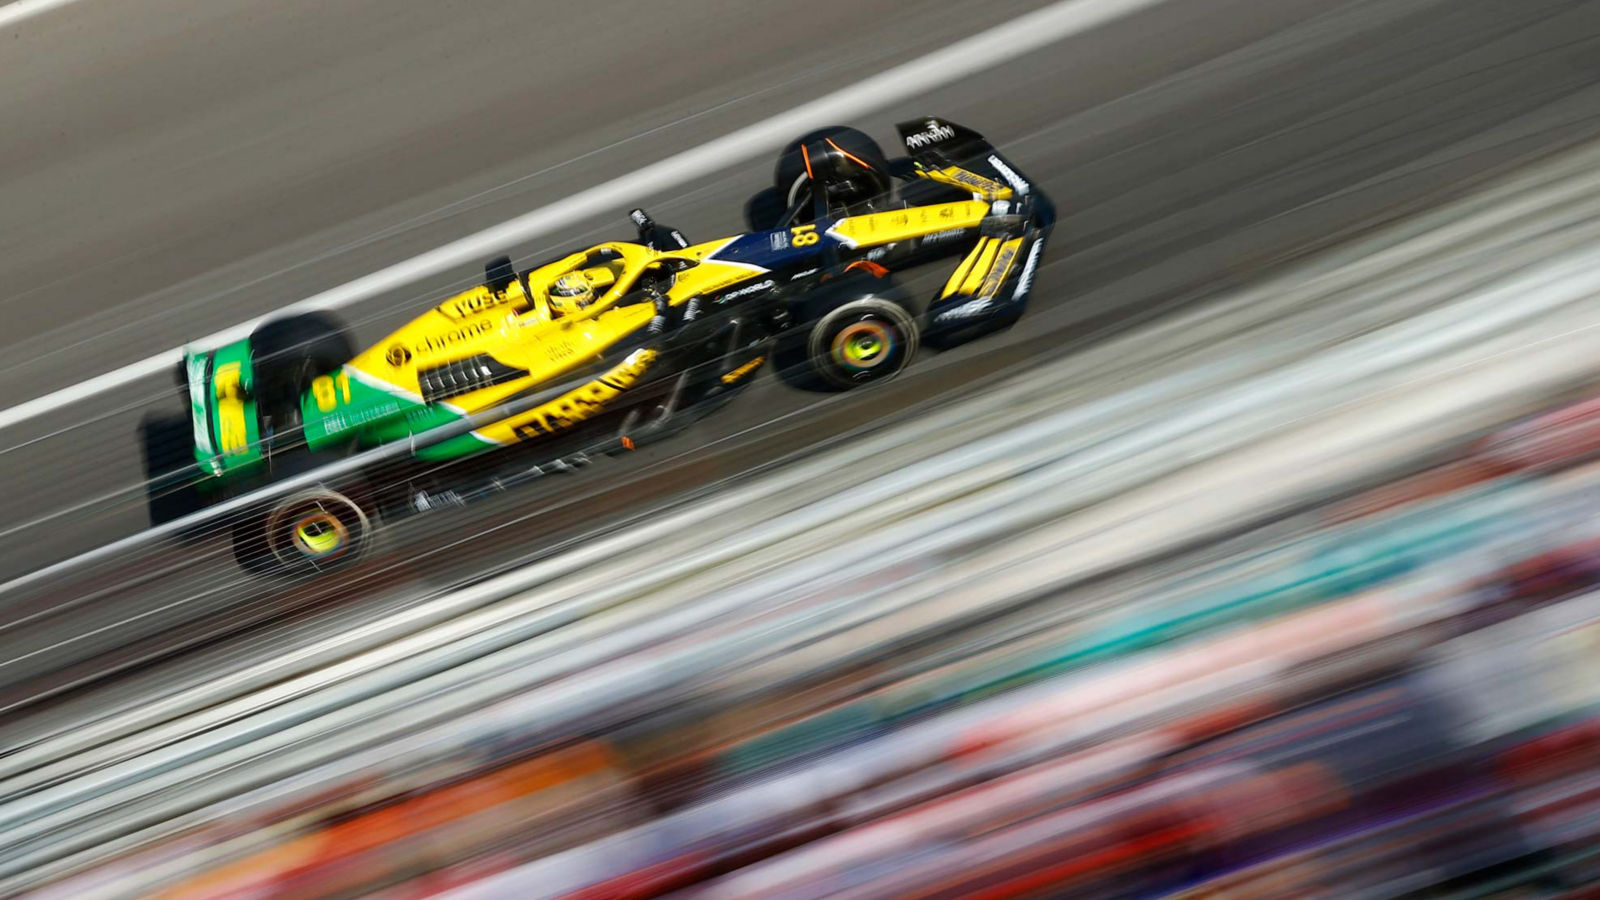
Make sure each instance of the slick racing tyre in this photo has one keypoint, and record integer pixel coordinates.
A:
(315, 530)
(291, 352)
(789, 178)
(318, 528)
(169, 468)
(865, 340)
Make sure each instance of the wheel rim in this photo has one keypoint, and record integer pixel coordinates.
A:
(318, 535)
(863, 346)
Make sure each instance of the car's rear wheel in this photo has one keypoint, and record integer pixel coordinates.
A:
(315, 530)
(170, 473)
(291, 352)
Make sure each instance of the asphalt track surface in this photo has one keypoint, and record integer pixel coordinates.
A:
(186, 166)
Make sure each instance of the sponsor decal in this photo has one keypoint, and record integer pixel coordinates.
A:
(639, 218)
(438, 343)
(692, 311)
(583, 403)
(976, 182)
(1002, 265)
(780, 240)
(474, 303)
(746, 291)
(1025, 280)
(356, 417)
(799, 275)
(934, 132)
(966, 310)
(1000, 207)
(559, 351)
(1017, 182)
(396, 356)
(941, 236)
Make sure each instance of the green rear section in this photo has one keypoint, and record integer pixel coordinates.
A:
(343, 409)
(339, 411)
(227, 427)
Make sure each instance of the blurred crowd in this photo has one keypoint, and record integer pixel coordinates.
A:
(1394, 694)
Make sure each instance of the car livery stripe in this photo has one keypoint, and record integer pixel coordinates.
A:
(412, 397)
(840, 236)
(729, 246)
(376, 383)
(743, 370)
(981, 268)
(1004, 260)
(230, 409)
(960, 274)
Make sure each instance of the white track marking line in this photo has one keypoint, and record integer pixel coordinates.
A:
(965, 57)
(12, 13)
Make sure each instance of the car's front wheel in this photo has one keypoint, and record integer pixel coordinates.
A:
(865, 340)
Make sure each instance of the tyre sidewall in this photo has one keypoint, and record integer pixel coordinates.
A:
(789, 175)
(288, 353)
(870, 318)
(350, 518)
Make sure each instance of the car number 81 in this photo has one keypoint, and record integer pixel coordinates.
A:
(327, 389)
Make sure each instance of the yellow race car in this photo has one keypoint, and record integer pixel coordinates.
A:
(610, 346)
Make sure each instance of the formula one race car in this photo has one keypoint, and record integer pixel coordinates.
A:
(610, 346)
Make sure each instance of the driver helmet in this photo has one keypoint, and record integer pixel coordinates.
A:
(572, 292)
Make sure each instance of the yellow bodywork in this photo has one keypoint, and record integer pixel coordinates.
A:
(233, 428)
(533, 331)
(955, 176)
(984, 269)
(904, 224)
(525, 328)
(574, 406)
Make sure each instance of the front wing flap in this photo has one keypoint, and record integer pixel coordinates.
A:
(988, 290)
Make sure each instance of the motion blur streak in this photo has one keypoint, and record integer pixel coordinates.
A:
(974, 54)
(1260, 558)
(1268, 597)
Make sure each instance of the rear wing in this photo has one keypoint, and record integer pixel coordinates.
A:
(222, 408)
